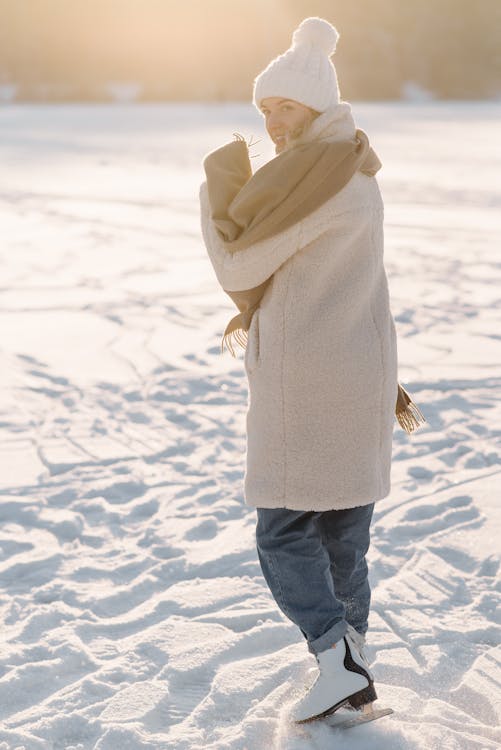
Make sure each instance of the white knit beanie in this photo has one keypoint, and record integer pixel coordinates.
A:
(303, 73)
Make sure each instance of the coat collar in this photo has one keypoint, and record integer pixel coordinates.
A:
(335, 124)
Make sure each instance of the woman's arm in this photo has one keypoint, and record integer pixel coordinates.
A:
(246, 269)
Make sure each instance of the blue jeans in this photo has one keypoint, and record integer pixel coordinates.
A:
(314, 564)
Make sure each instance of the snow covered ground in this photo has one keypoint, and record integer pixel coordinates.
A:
(134, 613)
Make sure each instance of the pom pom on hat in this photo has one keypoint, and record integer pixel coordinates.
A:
(317, 32)
(304, 72)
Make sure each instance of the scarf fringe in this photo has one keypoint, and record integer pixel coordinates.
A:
(408, 414)
(239, 336)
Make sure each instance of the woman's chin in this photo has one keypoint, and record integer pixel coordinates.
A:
(280, 145)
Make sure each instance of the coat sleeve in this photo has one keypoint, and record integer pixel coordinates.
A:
(246, 269)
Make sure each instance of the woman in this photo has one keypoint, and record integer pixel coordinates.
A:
(299, 248)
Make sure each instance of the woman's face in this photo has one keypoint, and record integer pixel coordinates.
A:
(285, 119)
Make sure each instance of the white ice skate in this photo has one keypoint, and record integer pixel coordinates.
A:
(343, 680)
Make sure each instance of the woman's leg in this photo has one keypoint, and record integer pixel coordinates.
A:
(346, 537)
(296, 566)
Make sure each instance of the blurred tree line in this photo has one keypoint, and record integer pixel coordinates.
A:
(213, 49)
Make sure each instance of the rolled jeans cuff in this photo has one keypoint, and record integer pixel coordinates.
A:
(325, 641)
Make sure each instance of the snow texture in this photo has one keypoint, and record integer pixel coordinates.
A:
(134, 613)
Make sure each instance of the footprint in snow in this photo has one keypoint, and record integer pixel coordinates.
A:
(422, 520)
(203, 531)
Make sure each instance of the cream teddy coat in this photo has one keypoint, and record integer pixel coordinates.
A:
(321, 358)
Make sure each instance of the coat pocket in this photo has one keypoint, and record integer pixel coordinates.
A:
(252, 353)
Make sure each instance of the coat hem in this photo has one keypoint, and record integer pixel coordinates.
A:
(320, 505)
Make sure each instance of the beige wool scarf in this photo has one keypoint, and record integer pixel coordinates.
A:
(247, 208)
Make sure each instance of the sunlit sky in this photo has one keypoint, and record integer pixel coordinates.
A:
(213, 49)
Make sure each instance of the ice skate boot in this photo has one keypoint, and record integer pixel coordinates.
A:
(343, 680)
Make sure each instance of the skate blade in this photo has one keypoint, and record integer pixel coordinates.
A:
(366, 714)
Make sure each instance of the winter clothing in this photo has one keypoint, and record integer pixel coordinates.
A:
(342, 680)
(303, 73)
(331, 546)
(247, 208)
(321, 358)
